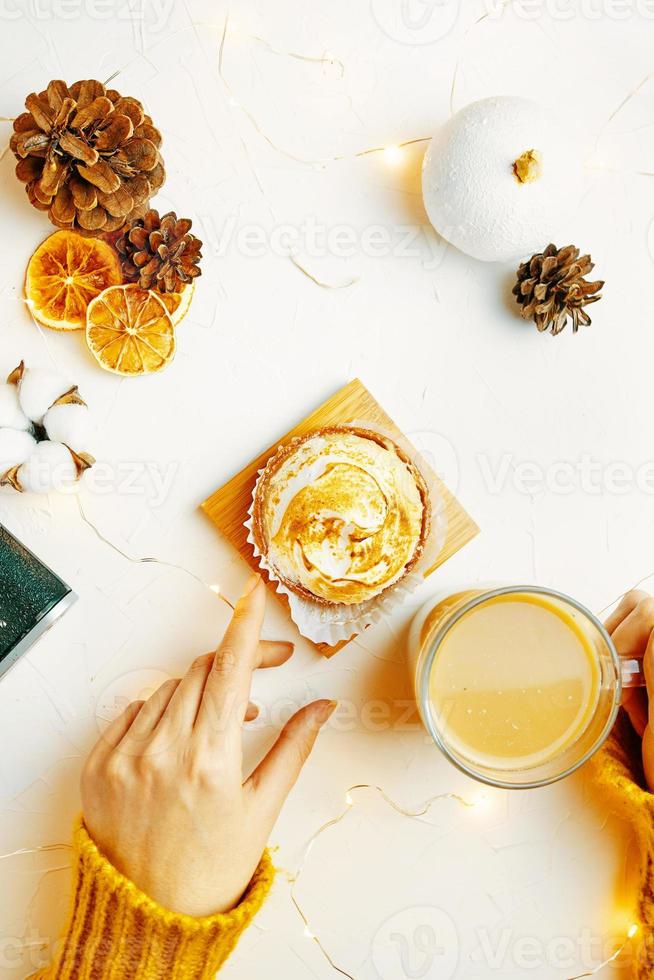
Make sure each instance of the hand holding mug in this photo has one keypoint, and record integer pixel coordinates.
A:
(631, 628)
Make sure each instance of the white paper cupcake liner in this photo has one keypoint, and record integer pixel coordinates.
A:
(336, 622)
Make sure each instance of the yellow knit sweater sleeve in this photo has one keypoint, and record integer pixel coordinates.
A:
(115, 932)
(619, 772)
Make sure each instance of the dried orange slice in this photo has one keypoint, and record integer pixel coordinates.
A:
(178, 304)
(129, 331)
(65, 273)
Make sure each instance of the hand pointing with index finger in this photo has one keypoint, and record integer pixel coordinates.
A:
(163, 791)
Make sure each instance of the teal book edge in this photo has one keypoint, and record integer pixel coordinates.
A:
(32, 598)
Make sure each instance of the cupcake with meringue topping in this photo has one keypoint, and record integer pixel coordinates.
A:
(340, 515)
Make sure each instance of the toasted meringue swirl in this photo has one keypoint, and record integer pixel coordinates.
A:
(342, 516)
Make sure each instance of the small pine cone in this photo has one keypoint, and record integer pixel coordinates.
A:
(551, 287)
(160, 253)
(88, 156)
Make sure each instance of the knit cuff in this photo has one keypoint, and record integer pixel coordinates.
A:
(116, 931)
(618, 770)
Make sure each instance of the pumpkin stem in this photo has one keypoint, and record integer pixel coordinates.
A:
(528, 167)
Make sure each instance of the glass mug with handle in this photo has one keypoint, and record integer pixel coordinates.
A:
(517, 685)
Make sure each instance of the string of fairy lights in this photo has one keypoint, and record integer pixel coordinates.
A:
(480, 802)
(393, 156)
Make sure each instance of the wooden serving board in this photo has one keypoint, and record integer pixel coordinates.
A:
(228, 507)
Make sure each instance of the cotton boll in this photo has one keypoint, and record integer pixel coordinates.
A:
(15, 447)
(69, 424)
(38, 390)
(11, 415)
(50, 467)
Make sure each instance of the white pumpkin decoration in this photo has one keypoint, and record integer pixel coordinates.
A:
(499, 178)
(41, 419)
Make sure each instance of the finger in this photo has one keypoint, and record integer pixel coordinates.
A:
(116, 731)
(276, 775)
(145, 723)
(183, 707)
(632, 635)
(226, 692)
(626, 605)
(648, 668)
(648, 756)
(634, 701)
(639, 702)
(182, 711)
(274, 653)
(252, 711)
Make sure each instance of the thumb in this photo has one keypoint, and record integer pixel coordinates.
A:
(277, 773)
(648, 756)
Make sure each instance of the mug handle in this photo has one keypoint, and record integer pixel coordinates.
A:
(633, 673)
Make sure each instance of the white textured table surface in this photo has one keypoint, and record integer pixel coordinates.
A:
(260, 149)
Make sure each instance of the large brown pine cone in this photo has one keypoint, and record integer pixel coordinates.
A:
(160, 253)
(88, 156)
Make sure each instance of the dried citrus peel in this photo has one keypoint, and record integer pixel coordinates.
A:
(129, 331)
(64, 274)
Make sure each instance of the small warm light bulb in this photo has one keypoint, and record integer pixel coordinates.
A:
(393, 155)
(308, 933)
(215, 588)
(481, 802)
(633, 929)
(348, 800)
(234, 102)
